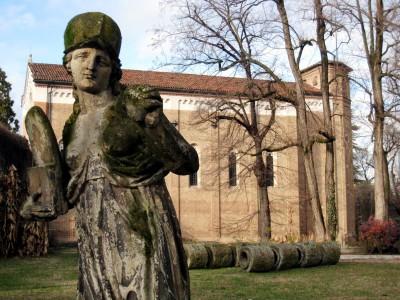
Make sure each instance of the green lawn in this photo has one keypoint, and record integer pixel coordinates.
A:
(55, 276)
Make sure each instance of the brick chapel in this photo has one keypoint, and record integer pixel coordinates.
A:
(216, 204)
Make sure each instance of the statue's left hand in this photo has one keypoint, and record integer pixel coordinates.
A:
(138, 110)
(33, 209)
(141, 101)
(153, 118)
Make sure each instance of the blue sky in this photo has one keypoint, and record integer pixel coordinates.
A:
(37, 26)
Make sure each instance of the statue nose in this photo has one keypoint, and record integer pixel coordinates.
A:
(91, 63)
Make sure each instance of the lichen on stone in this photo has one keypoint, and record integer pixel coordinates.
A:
(139, 221)
(124, 140)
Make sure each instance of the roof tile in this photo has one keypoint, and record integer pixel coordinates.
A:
(46, 73)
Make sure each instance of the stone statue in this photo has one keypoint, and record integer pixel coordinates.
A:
(118, 147)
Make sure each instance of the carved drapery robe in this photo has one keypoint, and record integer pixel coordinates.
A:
(129, 239)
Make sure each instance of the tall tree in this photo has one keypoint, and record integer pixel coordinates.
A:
(392, 148)
(330, 186)
(306, 139)
(223, 35)
(7, 115)
(241, 129)
(378, 29)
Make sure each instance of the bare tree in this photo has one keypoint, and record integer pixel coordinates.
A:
(306, 139)
(362, 164)
(392, 148)
(237, 36)
(377, 27)
(328, 127)
(226, 36)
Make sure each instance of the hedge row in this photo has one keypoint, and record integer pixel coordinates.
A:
(261, 257)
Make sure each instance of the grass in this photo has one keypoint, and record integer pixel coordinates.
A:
(341, 281)
(55, 277)
(50, 277)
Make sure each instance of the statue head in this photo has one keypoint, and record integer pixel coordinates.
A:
(95, 30)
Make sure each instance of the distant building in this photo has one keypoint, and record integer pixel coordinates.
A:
(222, 205)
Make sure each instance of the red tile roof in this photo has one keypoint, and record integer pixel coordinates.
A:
(49, 73)
(179, 82)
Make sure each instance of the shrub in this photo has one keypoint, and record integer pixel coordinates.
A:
(396, 245)
(381, 236)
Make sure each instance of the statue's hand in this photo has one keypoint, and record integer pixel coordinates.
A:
(141, 101)
(139, 110)
(36, 195)
(33, 209)
(153, 118)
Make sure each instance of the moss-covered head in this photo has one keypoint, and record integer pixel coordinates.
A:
(93, 29)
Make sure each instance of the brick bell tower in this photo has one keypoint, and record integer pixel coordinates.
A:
(341, 116)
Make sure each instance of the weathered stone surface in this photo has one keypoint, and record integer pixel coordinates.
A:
(197, 255)
(331, 253)
(311, 254)
(119, 146)
(46, 200)
(257, 258)
(288, 256)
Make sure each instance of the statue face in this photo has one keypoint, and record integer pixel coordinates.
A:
(90, 69)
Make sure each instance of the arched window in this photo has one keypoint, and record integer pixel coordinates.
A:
(232, 169)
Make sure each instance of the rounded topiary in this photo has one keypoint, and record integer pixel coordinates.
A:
(196, 255)
(257, 258)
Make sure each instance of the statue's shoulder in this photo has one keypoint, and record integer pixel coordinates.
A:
(70, 123)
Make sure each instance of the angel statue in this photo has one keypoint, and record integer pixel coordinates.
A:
(118, 147)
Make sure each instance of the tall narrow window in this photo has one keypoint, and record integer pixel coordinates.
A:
(270, 170)
(232, 169)
(193, 180)
(194, 177)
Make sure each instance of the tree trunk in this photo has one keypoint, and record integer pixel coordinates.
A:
(264, 215)
(330, 185)
(264, 212)
(381, 192)
(330, 190)
(302, 125)
(260, 169)
(319, 224)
